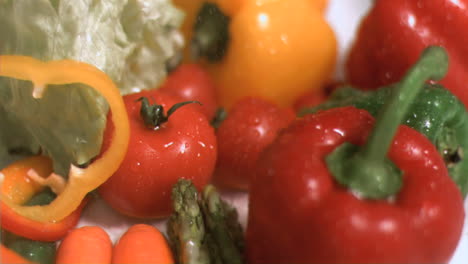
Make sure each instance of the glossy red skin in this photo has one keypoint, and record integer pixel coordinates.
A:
(315, 97)
(251, 125)
(299, 214)
(190, 81)
(183, 147)
(39, 231)
(309, 99)
(393, 34)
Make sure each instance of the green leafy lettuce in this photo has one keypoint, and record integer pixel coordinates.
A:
(130, 40)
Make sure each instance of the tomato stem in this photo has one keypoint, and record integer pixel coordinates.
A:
(219, 117)
(366, 170)
(153, 114)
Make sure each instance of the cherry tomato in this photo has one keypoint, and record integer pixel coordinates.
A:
(309, 99)
(190, 81)
(315, 97)
(184, 146)
(251, 125)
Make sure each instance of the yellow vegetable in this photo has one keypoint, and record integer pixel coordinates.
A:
(17, 186)
(80, 180)
(276, 49)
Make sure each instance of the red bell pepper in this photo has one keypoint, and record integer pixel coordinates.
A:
(19, 188)
(394, 32)
(335, 188)
(35, 230)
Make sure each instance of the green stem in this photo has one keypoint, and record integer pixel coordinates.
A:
(211, 33)
(220, 116)
(153, 114)
(366, 170)
(432, 65)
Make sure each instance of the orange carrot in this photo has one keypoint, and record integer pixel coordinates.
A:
(9, 256)
(142, 244)
(87, 244)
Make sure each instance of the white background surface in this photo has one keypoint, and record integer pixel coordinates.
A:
(344, 16)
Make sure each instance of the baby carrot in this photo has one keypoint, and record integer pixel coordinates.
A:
(142, 244)
(87, 244)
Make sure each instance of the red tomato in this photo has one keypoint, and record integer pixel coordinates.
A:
(309, 99)
(249, 127)
(183, 147)
(315, 97)
(192, 82)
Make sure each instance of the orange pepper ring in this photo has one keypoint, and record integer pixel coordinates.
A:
(80, 181)
(39, 231)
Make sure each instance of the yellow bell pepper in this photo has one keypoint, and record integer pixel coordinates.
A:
(277, 49)
(80, 180)
(17, 186)
(190, 8)
(233, 6)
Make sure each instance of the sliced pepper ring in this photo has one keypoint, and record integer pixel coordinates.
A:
(80, 180)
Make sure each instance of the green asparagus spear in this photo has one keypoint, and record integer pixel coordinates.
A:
(217, 215)
(204, 229)
(186, 229)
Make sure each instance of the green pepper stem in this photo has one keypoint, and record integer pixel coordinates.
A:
(432, 65)
(366, 170)
(211, 33)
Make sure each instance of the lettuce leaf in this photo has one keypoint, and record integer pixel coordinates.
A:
(130, 40)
